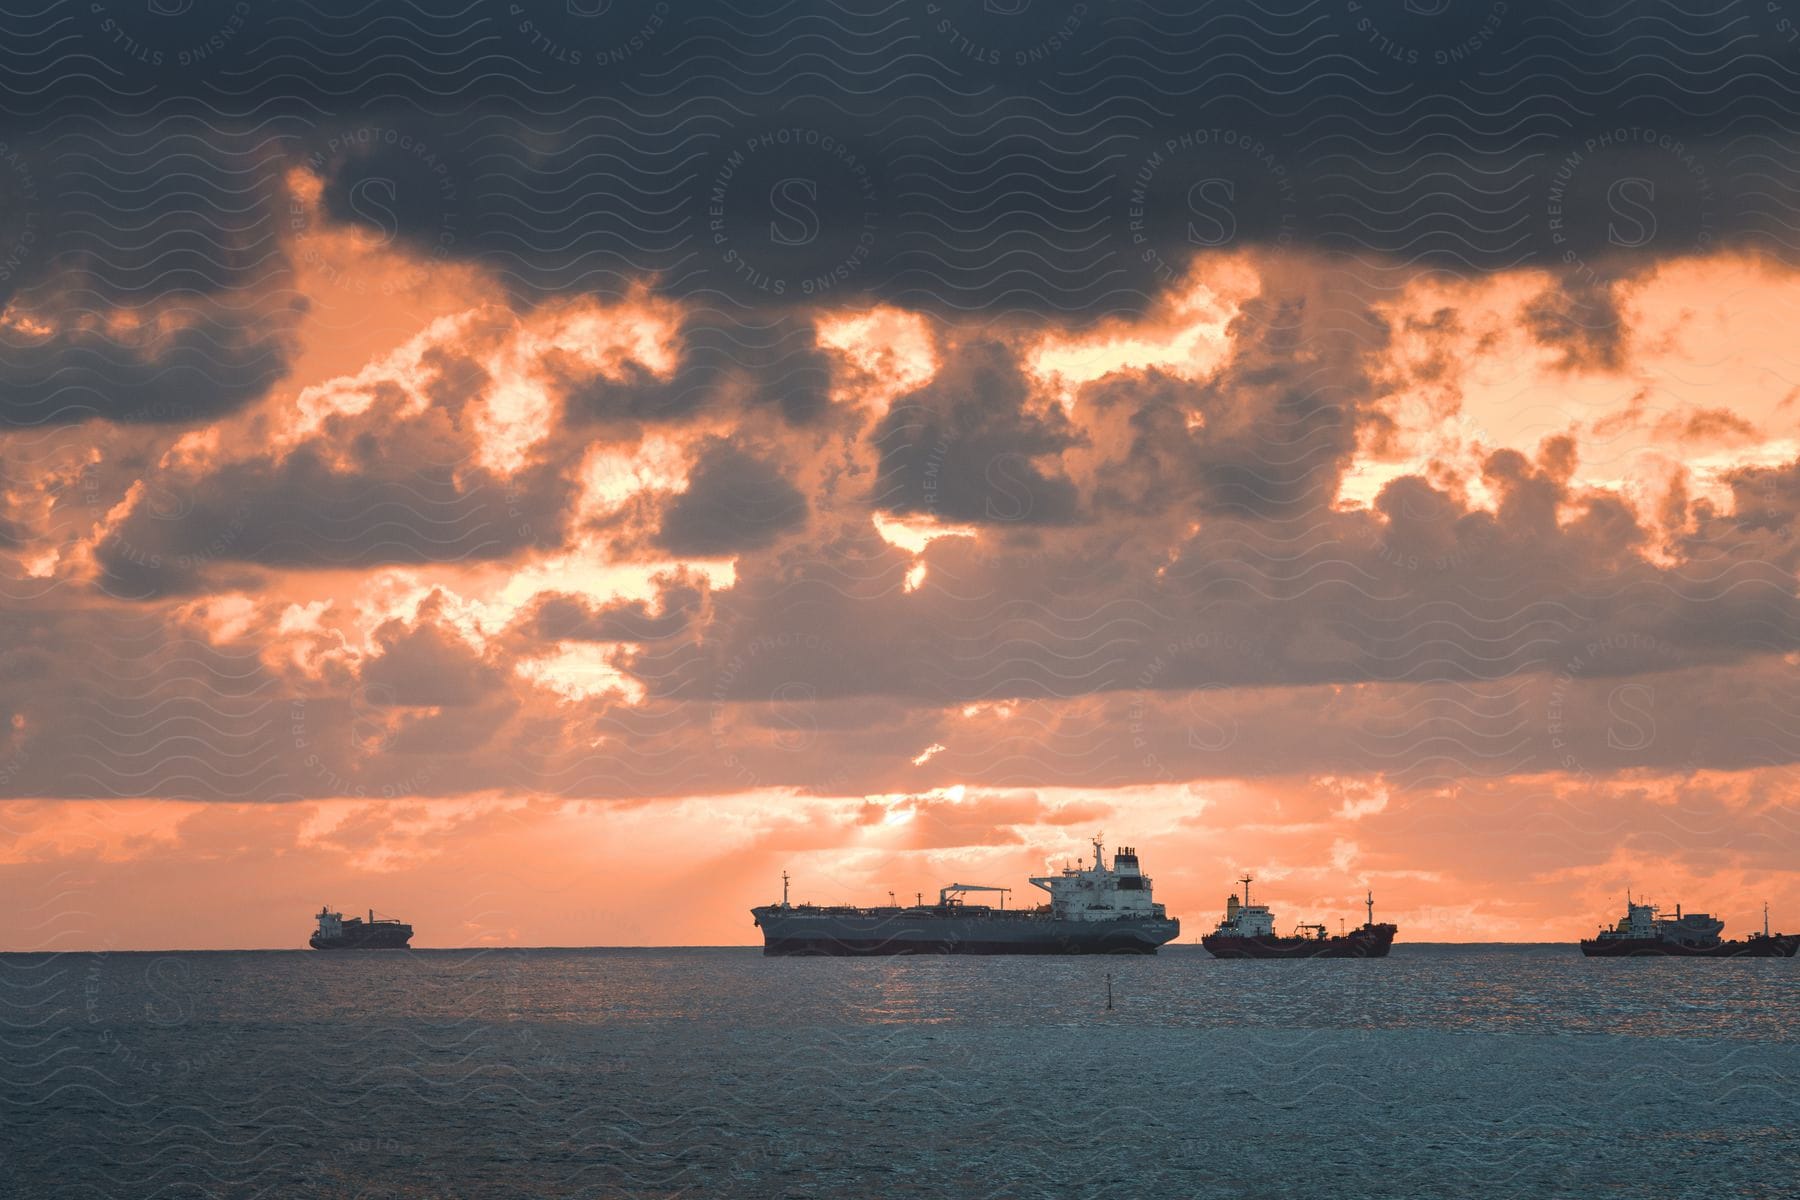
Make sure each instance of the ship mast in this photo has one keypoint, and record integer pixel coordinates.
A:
(1765, 918)
(1369, 901)
(784, 889)
(1245, 880)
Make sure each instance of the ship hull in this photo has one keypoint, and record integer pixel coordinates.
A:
(1781, 945)
(1369, 942)
(787, 932)
(385, 937)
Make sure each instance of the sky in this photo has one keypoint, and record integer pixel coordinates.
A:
(543, 474)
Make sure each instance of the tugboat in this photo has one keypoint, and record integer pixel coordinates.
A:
(1645, 932)
(1099, 910)
(1248, 931)
(335, 933)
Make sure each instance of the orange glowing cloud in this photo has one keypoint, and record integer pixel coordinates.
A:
(1466, 376)
(1011, 583)
(888, 351)
(1185, 336)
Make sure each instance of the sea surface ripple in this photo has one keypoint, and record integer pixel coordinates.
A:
(1442, 1071)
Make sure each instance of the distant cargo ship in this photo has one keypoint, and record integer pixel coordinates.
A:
(1644, 932)
(1248, 931)
(335, 933)
(1097, 910)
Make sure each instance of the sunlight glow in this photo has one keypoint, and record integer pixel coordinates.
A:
(889, 350)
(581, 671)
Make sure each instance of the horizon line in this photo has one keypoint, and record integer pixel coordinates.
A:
(667, 946)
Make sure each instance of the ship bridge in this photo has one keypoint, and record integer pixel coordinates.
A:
(1099, 892)
(1648, 922)
(1246, 919)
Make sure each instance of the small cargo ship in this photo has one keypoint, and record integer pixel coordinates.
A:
(1248, 931)
(1644, 932)
(1095, 910)
(336, 933)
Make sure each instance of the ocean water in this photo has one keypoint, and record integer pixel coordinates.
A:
(1521, 1071)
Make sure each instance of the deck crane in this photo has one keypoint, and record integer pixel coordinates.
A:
(944, 893)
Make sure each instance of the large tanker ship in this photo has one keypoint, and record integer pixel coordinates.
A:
(336, 933)
(1248, 931)
(1643, 932)
(1095, 910)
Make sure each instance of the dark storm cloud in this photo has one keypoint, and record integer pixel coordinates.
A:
(770, 362)
(1766, 498)
(14, 533)
(1172, 566)
(1420, 589)
(975, 445)
(1057, 157)
(430, 718)
(390, 179)
(556, 616)
(216, 360)
(734, 501)
(639, 396)
(384, 484)
(1762, 531)
(147, 701)
(143, 260)
(301, 511)
(425, 664)
(1459, 643)
(139, 208)
(1267, 436)
(1580, 319)
(130, 703)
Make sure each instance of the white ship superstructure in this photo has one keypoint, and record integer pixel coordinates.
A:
(1246, 919)
(1646, 931)
(1698, 930)
(1248, 931)
(1100, 893)
(1098, 909)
